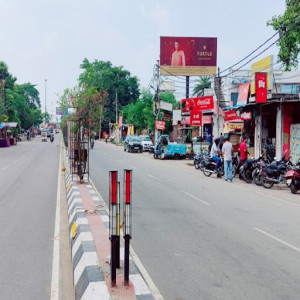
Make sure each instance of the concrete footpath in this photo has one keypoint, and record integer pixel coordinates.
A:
(90, 247)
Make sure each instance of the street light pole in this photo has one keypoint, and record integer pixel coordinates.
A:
(45, 95)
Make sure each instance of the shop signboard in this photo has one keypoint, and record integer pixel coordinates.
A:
(261, 87)
(188, 56)
(176, 114)
(206, 119)
(196, 118)
(246, 115)
(160, 125)
(230, 115)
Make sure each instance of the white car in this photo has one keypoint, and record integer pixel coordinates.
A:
(146, 142)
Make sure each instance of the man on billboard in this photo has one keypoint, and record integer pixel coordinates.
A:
(178, 57)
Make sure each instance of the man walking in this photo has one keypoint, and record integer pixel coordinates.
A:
(227, 154)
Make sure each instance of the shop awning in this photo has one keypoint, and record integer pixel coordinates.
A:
(234, 107)
(3, 126)
(10, 124)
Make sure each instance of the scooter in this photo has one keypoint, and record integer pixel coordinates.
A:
(293, 178)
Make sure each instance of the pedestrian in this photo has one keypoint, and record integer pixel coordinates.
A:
(221, 142)
(243, 150)
(227, 154)
(214, 154)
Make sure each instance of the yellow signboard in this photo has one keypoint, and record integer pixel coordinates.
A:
(263, 65)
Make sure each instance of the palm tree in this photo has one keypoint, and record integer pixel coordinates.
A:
(204, 83)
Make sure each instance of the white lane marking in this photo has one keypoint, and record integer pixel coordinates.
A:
(277, 239)
(55, 263)
(194, 197)
(5, 167)
(154, 177)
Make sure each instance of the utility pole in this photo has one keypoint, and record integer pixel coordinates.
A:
(45, 95)
(117, 128)
(156, 98)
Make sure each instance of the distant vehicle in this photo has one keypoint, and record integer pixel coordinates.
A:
(146, 142)
(44, 135)
(165, 149)
(132, 144)
(56, 130)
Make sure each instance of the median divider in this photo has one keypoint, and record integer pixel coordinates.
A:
(90, 248)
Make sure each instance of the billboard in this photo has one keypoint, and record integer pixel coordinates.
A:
(160, 125)
(263, 65)
(196, 118)
(188, 56)
(243, 93)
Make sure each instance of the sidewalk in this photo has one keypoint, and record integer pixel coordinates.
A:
(90, 247)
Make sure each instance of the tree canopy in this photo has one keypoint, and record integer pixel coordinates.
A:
(18, 102)
(288, 26)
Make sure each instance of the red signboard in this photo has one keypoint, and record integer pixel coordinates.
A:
(196, 118)
(261, 87)
(230, 115)
(160, 125)
(199, 103)
(243, 93)
(246, 115)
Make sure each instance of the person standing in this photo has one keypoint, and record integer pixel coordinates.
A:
(243, 150)
(214, 154)
(178, 57)
(227, 153)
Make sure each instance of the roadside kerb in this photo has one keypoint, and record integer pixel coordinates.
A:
(90, 268)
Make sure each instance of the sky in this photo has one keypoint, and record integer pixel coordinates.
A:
(48, 40)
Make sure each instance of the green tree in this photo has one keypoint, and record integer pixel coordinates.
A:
(288, 26)
(114, 81)
(203, 83)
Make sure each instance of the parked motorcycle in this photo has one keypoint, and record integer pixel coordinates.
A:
(246, 170)
(293, 178)
(209, 167)
(275, 172)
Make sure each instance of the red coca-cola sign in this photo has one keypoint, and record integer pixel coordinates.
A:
(196, 118)
(198, 103)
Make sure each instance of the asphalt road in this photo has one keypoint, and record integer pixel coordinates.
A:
(203, 238)
(28, 196)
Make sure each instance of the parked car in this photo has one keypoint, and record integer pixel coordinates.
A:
(146, 142)
(132, 144)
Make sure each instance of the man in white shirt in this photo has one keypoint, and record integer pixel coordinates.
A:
(227, 153)
(214, 152)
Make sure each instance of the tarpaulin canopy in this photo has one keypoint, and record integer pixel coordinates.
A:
(10, 124)
(3, 126)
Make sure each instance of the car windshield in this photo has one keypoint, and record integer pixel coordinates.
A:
(133, 139)
(145, 138)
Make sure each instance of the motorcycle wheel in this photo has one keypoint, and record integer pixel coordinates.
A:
(233, 171)
(293, 188)
(197, 167)
(206, 173)
(257, 178)
(248, 176)
(267, 184)
(201, 165)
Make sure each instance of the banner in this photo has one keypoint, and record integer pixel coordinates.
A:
(243, 93)
(196, 118)
(120, 121)
(160, 125)
(230, 115)
(261, 87)
(198, 104)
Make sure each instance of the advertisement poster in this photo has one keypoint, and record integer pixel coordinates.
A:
(261, 87)
(198, 103)
(243, 93)
(230, 115)
(160, 125)
(188, 56)
(196, 118)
